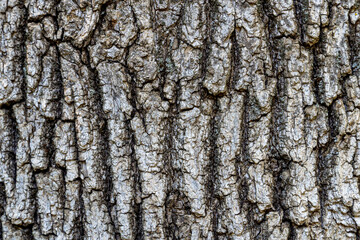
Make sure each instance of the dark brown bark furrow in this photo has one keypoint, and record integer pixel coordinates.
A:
(172, 119)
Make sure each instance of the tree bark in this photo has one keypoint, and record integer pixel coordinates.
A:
(170, 119)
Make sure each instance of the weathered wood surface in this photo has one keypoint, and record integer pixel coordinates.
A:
(165, 119)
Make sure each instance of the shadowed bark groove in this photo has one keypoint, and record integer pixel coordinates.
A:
(176, 119)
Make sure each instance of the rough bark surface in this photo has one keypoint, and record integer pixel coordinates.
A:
(179, 119)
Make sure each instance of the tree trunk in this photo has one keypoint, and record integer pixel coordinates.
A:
(165, 119)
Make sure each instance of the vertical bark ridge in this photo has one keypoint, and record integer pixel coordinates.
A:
(343, 144)
(13, 17)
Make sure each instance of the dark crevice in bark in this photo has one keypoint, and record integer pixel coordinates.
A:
(275, 54)
(15, 139)
(104, 133)
(102, 15)
(139, 232)
(212, 167)
(302, 15)
(275, 163)
(330, 5)
(354, 42)
(99, 23)
(23, 55)
(58, 74)
(80, 222)
(108, 189)
(174, 174)
(50, 147)
(137, 200)
(315, 75)
(257, 221)
(2, 206)
(170, 227)
(235, 60)
(137, 204)
(333, 122)
(138, 228)
(206, 43)
(63, 194)
(325, 164)
(165, 38)
(175, 197)
(292, 233)
(280, 158)
(321, 166)
(177, 204)
(279, 162)
(127, 49)
(36, 217)
(212, 201)
(351, 213)
(344, 94)
(243, 163)
(49, 138)
(269, 20)
(250, 208)
(137, 207)
(33, 192)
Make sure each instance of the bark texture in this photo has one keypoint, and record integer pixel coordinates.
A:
(179, 119)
